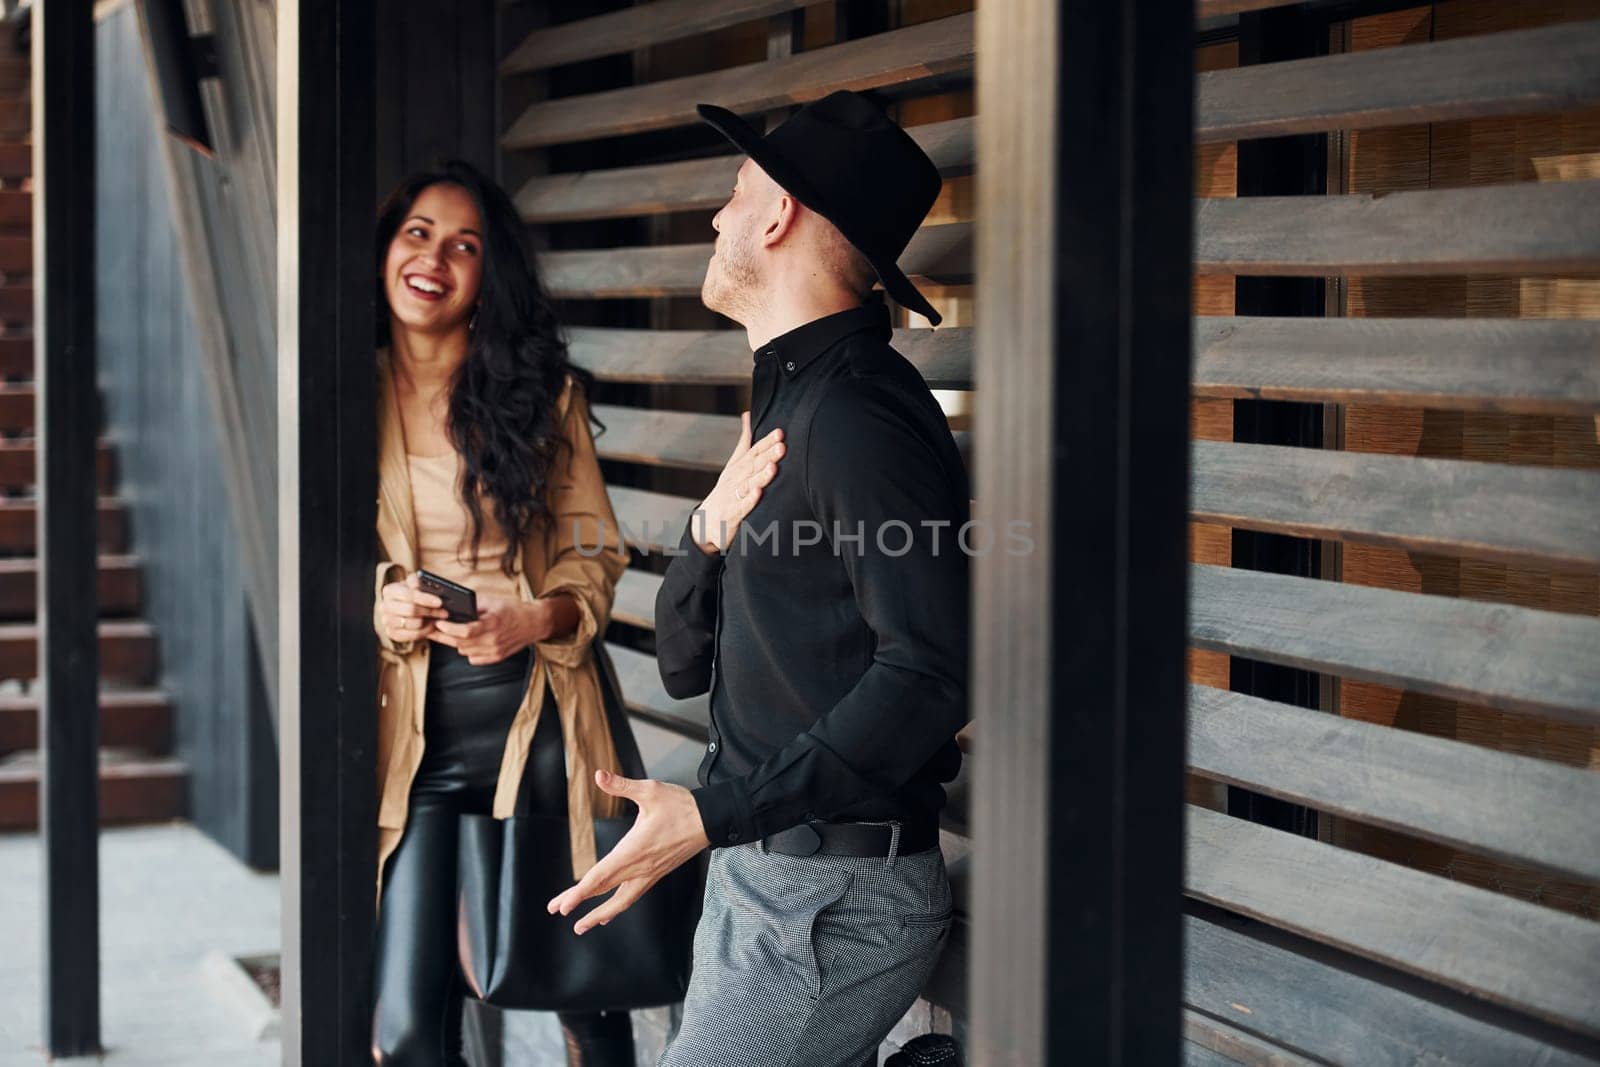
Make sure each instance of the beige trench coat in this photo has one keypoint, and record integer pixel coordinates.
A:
(552, 564)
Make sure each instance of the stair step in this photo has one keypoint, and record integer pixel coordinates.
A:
(16, 118)
(16, 160)
(16, 308)
(16, 208)
(119, 584)
(16, 354)
(16, 253)
(127, 651)
(137, 719)
(19, 465)
(19, 527)
(132, 790)
(14, 74)
(17, 399)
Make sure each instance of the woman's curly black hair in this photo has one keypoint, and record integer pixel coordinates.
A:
(503, 401)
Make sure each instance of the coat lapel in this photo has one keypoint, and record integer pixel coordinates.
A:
(397, 521)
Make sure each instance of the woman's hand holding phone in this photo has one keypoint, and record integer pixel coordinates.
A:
(408, 612)
(503, 628)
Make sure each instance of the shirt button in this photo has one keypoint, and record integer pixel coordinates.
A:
(733, 835)
(712, 747)
(789, 366)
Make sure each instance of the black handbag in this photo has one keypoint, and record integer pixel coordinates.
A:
(516, 955)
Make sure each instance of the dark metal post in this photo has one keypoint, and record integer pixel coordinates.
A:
(1278, 166)
(1083, 392)
(67, 421)
(327, 454)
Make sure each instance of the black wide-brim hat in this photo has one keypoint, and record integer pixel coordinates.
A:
(845, 159)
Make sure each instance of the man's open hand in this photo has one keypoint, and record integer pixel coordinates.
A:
(667, 832)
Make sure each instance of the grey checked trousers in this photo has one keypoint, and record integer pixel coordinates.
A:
(808, 961)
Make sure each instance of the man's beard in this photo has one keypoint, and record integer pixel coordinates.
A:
(732, 283)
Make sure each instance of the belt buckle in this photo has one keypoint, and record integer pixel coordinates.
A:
(807, 840)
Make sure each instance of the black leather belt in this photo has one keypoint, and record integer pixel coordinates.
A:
(851, 839)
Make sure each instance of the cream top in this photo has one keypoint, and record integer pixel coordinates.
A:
(444, 529)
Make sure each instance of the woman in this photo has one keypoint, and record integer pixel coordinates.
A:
(487, 477)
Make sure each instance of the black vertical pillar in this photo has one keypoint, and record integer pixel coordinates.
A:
(1082, 433)
(66, 423)
(327, 463)
(1278, 166)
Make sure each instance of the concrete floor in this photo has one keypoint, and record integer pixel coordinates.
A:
(168, 897)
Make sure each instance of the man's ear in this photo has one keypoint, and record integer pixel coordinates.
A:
(782, 221)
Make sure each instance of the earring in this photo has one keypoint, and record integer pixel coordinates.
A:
(472, 323)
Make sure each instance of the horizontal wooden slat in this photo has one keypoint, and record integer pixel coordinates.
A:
(1515, 808)
(635, 600)
(915, 53)
(722, 357)
(136, 719)
(668, 755)
(657, 436)
(1339, 1009)
(16, 160)
(127, 651)
(1484, 510)
(940, 254)
(644, 695)
(695, 184)
(634, 27)
(1520, 72)
(1529, 71)
(19, 523)
(1506, 657)
(1513, 953)
(1432, 644)
(119, 586)
(1528, 227)
(1232, 1045)
(1521, 366)
(651, 522)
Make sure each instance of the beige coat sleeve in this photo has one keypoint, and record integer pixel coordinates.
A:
(585, 543)
(387, 572)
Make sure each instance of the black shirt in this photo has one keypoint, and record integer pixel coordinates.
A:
(833, 631)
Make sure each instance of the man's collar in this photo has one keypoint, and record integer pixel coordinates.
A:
(797, 348)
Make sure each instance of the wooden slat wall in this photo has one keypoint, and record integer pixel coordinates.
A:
(1543, 149)
(1465, 740)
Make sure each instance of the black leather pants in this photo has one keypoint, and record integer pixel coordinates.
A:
(418, 987)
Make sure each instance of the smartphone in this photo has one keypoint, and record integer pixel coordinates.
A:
(459, 601)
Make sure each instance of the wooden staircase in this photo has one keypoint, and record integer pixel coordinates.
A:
(139, 779)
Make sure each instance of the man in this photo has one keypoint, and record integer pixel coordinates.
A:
(821, 597)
